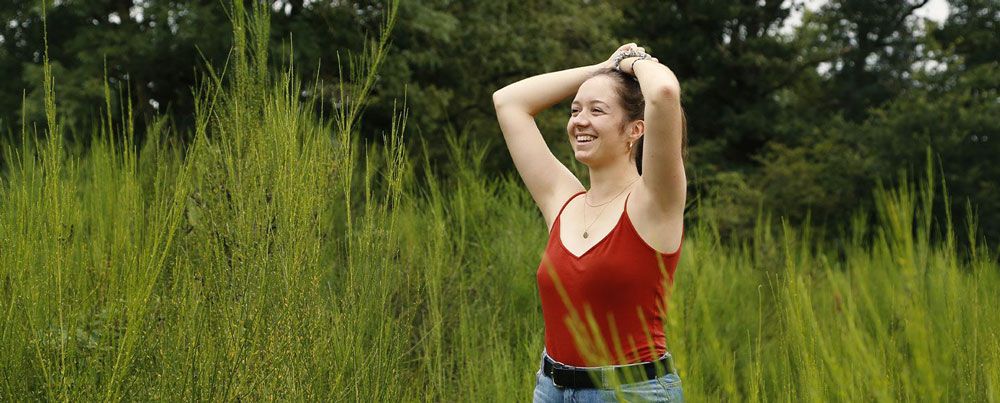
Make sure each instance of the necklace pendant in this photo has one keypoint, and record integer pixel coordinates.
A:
(585, 234)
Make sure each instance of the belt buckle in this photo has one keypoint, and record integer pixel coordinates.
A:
(552, 374)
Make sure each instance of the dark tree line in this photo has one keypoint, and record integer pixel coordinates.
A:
(803, 121)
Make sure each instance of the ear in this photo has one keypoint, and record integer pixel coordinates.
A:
(637, 129)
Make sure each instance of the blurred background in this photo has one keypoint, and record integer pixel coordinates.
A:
(801, 108)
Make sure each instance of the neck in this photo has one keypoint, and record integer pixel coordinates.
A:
(606, 181)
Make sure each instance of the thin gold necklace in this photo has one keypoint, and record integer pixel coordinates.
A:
(586, 197)
(586, 234)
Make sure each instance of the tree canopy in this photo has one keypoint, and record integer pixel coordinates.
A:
(803, 121)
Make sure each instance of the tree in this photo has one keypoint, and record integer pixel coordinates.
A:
(971, 33)
(150, 51)
(876, 45)
(449, 57)
(732, 61)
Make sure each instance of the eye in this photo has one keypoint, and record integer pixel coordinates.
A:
(574, 111)
(597, 110)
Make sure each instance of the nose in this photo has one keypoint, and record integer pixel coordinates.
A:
(580, 120)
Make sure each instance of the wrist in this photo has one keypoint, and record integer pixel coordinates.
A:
(631, 66)
(628, 65)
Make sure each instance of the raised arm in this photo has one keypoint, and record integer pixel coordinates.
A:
(548, 180)
(662, 165)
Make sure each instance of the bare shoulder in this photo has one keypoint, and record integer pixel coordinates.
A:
(658, 222)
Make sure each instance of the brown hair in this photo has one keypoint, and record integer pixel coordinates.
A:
(630, 94)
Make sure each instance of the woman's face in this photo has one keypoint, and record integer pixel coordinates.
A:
(595, 124)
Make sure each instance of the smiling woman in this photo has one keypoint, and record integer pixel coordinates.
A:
(604, 278)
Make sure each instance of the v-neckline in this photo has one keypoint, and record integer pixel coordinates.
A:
(621, 217)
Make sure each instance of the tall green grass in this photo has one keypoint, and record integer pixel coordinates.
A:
(277, 257)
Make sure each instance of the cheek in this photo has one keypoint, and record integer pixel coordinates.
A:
(606, 125)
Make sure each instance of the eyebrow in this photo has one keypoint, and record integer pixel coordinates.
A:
(595, 101)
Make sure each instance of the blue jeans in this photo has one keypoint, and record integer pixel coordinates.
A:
(666, 388)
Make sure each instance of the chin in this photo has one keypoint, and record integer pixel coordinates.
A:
(583, 158)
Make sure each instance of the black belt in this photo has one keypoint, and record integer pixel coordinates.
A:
(600, 377)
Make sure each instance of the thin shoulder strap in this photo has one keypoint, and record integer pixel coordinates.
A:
(569, 200)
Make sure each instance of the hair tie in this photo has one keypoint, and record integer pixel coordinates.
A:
(627, 54)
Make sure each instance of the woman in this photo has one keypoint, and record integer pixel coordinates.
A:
(611, 253)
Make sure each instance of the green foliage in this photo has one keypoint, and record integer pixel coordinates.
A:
(956, 120)
(155, 58)
(970, 32)
(874, 46)
(730, 61)
(450, 56)
(824, 106)
(275, 258)
(827, 175)
(832, 170)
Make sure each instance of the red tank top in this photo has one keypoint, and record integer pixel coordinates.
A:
(613, 295)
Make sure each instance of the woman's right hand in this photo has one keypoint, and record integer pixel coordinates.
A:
(610, 63)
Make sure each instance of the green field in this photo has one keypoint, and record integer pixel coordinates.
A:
(278, 258)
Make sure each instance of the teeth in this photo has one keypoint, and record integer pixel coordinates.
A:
(585, 138)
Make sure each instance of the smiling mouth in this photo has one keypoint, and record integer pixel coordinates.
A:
(585, 138)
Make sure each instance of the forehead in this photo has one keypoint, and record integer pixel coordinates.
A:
(596, 89)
